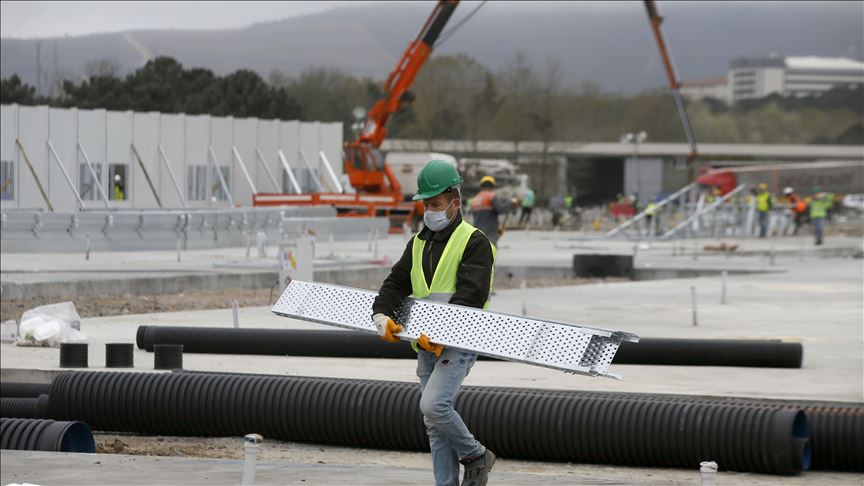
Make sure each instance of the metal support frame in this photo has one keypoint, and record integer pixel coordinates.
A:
(707, 209)
(657, 206)
(323, 157)
(263, 162)
(95, 175)
(556, 345)
(146, 174)
(53, 153)
(243, 168)
(164, 159)
(33, 172)
(212, 159)
(290, 172)
(312, 172)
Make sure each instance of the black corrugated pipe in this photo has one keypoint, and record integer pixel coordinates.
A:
(528, 424)
(711, 352)
(119, 355)
(168, 357)
(10, 389)
(35, 408)
(347, 344)
(73, 355)
(45, 435)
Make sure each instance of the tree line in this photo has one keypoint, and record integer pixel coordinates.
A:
(457, 97)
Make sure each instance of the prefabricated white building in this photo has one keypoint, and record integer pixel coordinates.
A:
(179, 153)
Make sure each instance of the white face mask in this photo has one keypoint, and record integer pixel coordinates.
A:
(437, 220)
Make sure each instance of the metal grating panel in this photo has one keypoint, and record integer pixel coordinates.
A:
(551, 344)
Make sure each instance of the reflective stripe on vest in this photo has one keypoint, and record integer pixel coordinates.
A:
(819, 208)
(483, 201)
(444, 279)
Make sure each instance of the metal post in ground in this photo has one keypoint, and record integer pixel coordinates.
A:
(179, 245)
(87, 251)
(332, 253)
(235, 312)
(522, 286)
(251, 444)
(695, 250)
(693, 298)
(723, 288)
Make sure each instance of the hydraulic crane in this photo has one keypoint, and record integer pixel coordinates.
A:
(378, 190)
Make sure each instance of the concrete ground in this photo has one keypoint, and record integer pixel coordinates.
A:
(804, 295)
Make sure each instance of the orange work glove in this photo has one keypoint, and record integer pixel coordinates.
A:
(386, 328)
(424, 343)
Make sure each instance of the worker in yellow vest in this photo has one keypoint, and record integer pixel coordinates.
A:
(119, 193)
(819, 206)
(764, 204)
(650, 213)
(448, 261)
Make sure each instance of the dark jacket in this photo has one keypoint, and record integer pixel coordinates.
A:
(472, 277)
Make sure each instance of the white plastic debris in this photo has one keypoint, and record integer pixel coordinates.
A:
(50, 325)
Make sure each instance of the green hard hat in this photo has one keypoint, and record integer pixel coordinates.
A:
(436, 177)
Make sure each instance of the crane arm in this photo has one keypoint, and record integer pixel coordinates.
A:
(400, 80)
(674, 84)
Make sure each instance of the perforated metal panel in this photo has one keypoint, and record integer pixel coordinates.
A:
(557, 345)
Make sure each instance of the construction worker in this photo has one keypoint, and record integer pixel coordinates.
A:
(119, 194)
(650, 212)
(568, 203)
(764, 204)
(799, 208)
(448, 261)
(527, 206)
(486, 207)
(818, 212)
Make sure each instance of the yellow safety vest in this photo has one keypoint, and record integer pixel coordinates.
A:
(763, 202)
(444, 279)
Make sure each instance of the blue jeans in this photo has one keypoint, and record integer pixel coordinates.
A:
(449, 438)
(763, 224)
(818, 229)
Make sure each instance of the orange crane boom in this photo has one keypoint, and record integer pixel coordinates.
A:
(364, 164)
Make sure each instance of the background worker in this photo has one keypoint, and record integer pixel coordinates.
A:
(486, 207)
(799, 208)
(448, 261)
(818, 212)
(650, 212)
(119, 193)
(764, 204)
(527, 206)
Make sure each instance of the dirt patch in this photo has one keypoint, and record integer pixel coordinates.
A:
(196, 299)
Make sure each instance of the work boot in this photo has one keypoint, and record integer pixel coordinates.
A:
(477, 469)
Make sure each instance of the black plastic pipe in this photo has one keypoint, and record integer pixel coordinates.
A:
(9, 389)
(45, 435)
(347, 344)
(168, 356)
(527, 424)
(24, 407)
(73, 355)
(119, 355)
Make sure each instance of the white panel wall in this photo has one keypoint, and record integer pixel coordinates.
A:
(222, 139)
(289, 143)
(197, 142)
(63, 133)
(245, 140)
(331, 145)
(118, 150)
(310, 143)
(33, 133)
(145, 129)
(107, 139)
(91, 135)
(268, 144)
(172, 138)
(9, 151)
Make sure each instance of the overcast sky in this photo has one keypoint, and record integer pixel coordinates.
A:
(31, 19)
(39, 19)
